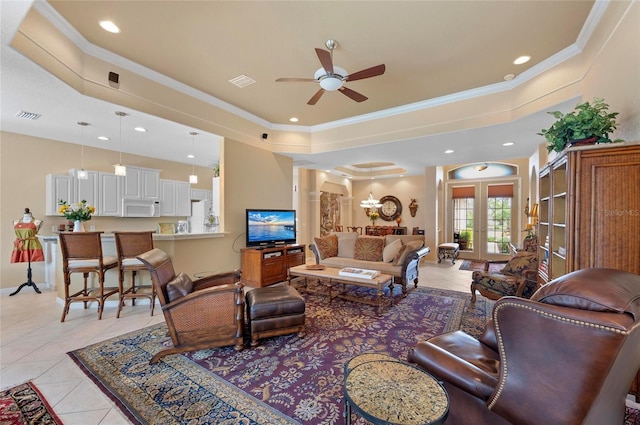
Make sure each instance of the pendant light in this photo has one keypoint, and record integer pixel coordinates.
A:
(370, 203)
(82, 174)
(193, 179)
(121, 170)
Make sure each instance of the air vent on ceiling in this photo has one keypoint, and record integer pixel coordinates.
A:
(242, 81)
(28, 115)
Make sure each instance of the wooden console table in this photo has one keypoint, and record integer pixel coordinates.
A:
(385, 230)
(265, 266)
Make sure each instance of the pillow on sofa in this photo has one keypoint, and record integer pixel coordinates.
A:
(406, 249)
(327, 246)
(369, 248)
(519, 263)
(346, 247)
(390, 251)
(180, 286)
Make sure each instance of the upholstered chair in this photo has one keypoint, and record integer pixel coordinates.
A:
(517, 278)
(204, 313)
(568, 355)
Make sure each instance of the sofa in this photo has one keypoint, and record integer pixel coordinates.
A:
(397, 255)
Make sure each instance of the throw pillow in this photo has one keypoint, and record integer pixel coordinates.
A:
(396, 259)
(390, 251)
(346, 247)
(369, 248)
(521, 262)
(408, 248)
(180, 286)
(327, 246)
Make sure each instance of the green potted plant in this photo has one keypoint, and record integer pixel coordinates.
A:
(465, 238)
(589, 123)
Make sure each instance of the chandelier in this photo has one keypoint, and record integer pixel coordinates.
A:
(370, 202)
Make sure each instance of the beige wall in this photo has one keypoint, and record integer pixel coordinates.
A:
(25, 161)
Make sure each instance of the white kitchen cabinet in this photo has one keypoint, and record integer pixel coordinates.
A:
(141, 183)
(175, 198)
(201, 195)
(58, 187)
(110, 190)
(183, 198)
(88, 190)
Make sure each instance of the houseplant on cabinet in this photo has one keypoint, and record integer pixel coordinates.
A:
(589, 123)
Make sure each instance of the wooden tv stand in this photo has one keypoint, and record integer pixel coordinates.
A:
(265, 266)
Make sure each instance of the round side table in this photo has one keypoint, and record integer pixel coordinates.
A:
(389, 391)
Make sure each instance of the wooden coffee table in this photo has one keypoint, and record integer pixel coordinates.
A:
(329, 277)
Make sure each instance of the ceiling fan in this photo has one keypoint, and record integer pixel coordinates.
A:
(332, 78)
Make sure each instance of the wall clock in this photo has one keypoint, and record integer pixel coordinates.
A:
(391, 208)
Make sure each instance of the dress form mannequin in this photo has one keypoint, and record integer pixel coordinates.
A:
(27, 247)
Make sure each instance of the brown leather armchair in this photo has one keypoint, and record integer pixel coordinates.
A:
(205, 313)
(565, 356)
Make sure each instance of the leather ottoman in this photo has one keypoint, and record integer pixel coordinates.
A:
(274, 310)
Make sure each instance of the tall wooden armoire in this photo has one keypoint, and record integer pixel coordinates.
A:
(590, 212)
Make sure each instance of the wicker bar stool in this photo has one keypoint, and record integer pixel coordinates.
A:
(82, 253)
(128, 246)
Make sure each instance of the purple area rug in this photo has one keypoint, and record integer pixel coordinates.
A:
(303, 378)
(286, 380)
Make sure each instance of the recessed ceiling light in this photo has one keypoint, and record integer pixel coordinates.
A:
(509, 77)
(103, 138)
(508, 144)
(109, 26)
(449, 151)
(521, 60)
(293, 119)
(140, 129)
(190, 156)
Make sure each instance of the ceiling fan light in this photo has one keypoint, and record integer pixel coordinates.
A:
(331, 83)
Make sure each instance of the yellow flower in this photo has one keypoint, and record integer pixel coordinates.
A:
(78, 211)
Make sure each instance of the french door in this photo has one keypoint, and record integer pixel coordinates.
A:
(482, 217)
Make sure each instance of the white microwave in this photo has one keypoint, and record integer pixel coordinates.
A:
(140, 208)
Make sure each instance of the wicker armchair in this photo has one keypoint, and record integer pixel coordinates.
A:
(205, 313)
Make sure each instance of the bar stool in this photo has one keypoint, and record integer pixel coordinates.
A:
(128, 246)
(82, 253)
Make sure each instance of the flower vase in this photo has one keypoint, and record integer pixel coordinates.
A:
(78, 226)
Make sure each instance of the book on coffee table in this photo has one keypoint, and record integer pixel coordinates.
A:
(361, 273)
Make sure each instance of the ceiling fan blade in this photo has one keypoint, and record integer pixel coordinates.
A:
(296, 80)
(325, 60)
(353, 94)
(315, 97)
(374, 71)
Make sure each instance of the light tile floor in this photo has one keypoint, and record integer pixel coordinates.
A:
(33, 344)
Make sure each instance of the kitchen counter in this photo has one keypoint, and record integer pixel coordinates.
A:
(156, 236)
(183, 253)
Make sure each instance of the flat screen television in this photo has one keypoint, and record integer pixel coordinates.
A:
(270, 227)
